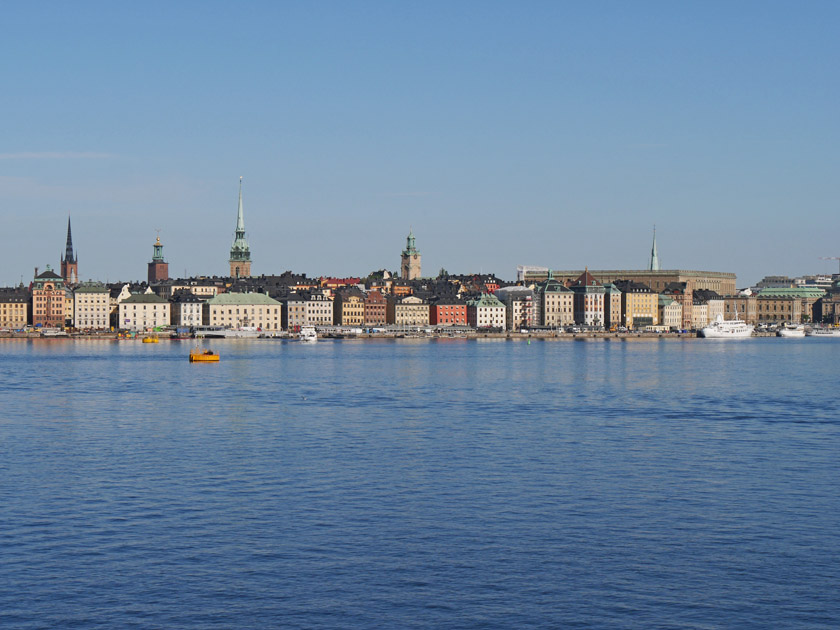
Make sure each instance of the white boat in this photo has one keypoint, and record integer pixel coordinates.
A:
(791, 331)
(308, 334)
(220, 332)
(727, 329)
(824, 333)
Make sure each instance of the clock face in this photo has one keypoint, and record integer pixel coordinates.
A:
(415, 256)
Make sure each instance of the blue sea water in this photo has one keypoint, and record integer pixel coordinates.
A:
(420, 484)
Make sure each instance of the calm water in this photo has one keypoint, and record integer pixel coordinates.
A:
(448, 484)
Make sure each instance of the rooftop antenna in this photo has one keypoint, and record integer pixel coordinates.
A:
(831, 258)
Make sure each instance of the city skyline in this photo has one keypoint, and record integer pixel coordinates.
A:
(555, 136)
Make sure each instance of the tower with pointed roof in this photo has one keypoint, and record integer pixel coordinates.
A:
(69, 262)
(240, 253)
(654, 254)
(158, 267)
(410, 260)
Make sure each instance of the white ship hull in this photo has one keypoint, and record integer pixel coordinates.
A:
(727, 329)
(823, 333)
(308, 334)
(792, 333)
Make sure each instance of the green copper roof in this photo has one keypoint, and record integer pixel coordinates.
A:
(144, 298)
(486, 299)
(91, 287)
(242, 299)
(797, 292)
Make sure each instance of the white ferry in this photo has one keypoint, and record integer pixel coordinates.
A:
(308, 334)
(727, 329)
(791, 331)
(824, 333)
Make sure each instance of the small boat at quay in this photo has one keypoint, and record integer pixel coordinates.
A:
(727, 329)
(152, 339)
(791, 331)
(308, 334)
(823, 333)
(199, 355)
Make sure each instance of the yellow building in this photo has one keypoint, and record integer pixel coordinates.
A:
(14, 309)
(639, 304)
(349, 307)
(243, 310)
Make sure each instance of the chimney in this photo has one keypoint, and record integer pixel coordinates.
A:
(36, 272)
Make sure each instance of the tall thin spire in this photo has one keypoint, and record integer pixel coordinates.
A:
(240, 252)
(69, 255)
(654, 254)
(240, 220)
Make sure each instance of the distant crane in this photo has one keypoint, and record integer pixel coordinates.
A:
(830, 258)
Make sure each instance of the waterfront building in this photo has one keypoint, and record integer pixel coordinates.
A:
(91, 306)
(670, 312)
(204, 288)
(448, 311)
(827, 309)
(240, 252)
(186, 309)
(519, 307)
(318, 308)
(375, 309)
(588, 300)
(680, 292)
(721, 283)
(706, 306)
(243, 310)
(407, 311)
(486, 312)
(554, 304)
(639, 304)
(410, 259)
(612, 306)
(793, 304)
(294, 311)
(158, 267)
(69, 261)
(349, 306)
(14, 308)
(143, 311)
(48, 299)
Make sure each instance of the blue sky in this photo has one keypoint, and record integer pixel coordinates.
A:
(542, 133)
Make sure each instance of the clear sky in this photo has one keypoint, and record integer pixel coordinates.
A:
(543, 133)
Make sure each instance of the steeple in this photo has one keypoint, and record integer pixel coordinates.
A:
(69, 262)
(240, 253)
(410, 259)
(158, 267)
(654, 255)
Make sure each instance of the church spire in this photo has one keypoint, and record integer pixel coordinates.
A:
(69, 255)
(654, 254)
(240, 252)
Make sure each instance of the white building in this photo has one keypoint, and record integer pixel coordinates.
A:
(486, 312)
(143, 312)
(92, 307)
(186, 310)
(244, 310)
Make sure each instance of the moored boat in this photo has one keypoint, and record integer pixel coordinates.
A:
(199, 355)
(308, 334)
(727, 329)
(791, 331)
(822, 332)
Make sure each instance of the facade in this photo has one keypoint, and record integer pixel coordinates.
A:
(294, 312)
(612, 304)
(796, 305)
(69, 262)
(639, 304)
(486, 312)
(158, 267)
(318, 308)
(48, 300)
(519, 307)
(448, 312)
(741, 307)
(240, 252)
(407, 311)
(143, 311)
(721, 283)
(243, 310)
(91, 307)
(349, 306)
(554, 304)
(588, 300)
(410, 259)
(375, 309)
(186, 310)
(670, 312)
(14, 308)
